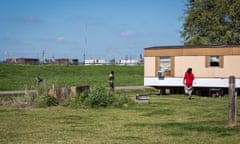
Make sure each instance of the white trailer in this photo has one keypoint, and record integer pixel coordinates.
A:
(164, 67)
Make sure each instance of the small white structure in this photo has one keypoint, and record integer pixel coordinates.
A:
(127, 61)
(96, 62)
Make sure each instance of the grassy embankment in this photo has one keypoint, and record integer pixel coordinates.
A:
(20, 77)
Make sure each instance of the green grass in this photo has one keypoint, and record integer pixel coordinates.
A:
(19, 77)
(166, 120)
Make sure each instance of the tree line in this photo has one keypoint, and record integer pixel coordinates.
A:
(211, 22)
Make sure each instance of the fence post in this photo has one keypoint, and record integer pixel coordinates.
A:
(232, 110)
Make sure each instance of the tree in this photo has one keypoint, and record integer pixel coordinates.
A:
(211, 22)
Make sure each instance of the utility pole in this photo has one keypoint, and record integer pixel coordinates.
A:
(86, 43)
(43, 57)
(84, 57)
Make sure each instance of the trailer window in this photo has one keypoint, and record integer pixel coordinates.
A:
(214, 61)
(165, 65)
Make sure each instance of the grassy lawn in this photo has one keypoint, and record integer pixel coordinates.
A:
(165, 120)
(20, 77)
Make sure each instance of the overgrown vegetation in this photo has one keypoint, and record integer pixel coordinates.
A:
(47, 101)
(98, 96)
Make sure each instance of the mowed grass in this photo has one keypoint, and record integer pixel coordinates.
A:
(20, 77)
(165, 120)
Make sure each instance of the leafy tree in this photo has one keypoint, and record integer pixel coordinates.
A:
(211, 22)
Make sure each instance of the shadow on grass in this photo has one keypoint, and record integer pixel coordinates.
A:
(160, 111)
(128, 138)
(210, 127)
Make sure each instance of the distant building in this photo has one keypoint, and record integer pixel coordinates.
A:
(70, 61)
(96, 62)
(113, 61)
(22, 61)
(66, 61)
(127, 61)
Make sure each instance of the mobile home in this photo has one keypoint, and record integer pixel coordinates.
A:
(164, 67)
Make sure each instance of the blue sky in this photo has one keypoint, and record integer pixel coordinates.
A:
(103, 29)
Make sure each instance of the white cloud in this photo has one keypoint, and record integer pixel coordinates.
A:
(127, 33)
(29, 19)
(60, 39)
(25, 20)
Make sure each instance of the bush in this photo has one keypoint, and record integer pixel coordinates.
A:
(122, 100)
(79, 98)
(100, 97)
(46, 101)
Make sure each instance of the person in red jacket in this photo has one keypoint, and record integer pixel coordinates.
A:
(188, 82)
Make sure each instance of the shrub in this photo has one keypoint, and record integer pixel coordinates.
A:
(46, 101)
(98, 96)
(122, 100)
(79, 98)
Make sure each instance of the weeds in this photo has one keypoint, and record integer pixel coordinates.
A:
(98, 96)
(47, 101)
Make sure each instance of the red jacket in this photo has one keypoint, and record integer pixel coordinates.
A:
(188, 79)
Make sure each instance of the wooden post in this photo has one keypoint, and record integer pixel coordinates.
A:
(232, 110)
